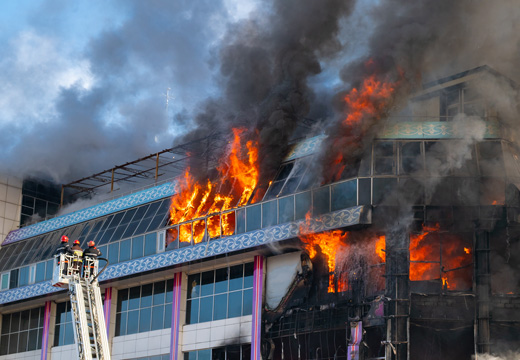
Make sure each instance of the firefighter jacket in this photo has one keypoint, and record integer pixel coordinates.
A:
(63, 249)
(77, 251)
(92, 252)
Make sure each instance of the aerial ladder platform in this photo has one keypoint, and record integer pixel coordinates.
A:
(79, 275)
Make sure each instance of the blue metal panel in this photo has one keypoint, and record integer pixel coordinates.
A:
(338, 219)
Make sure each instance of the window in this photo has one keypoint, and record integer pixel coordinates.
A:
(384, 158)
(5, 281)
(161, 242)
(22, 331)
(63, 333)
(220, 294)
(490, 158)
(231, 352)
(156, 357)
(442, 258)
(144, 308)
(411, 157)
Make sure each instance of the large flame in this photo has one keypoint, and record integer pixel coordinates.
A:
(440, 255)
(193, 199)
(370, 100)
(328, 243)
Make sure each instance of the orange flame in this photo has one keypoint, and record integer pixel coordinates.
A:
(328, 242)
(239, 173)
(380, 248)
(443, 257)
(369, 100)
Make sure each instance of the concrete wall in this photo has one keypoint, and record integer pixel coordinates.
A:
(65, 352)
(141, 345)
(10, 204)
(28, 355)
(216, 333)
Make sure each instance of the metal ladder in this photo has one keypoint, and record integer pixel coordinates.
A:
(87, 316)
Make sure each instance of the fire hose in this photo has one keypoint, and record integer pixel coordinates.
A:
(103, 269)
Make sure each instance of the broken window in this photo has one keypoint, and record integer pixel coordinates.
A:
(441, 260)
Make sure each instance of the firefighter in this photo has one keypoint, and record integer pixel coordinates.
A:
(77, 252)
(64, 249)
(93, 253)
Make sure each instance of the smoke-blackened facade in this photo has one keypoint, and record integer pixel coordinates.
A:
(405, 248)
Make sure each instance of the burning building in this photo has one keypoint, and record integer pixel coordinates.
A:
(388, 239)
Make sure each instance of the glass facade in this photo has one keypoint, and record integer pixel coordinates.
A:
(111, 228)
(22, 331)
(144, 308)
(63, 331)
(220, 294)
(156, 357)
(40, 199)
(231, 352)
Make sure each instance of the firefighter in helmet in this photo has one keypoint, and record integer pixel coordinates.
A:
(77, 260)
(90, 253)
(64, 248)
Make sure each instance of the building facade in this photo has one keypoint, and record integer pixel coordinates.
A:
(424, 255)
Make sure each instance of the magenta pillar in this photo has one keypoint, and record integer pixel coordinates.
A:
(176, 313)
(258, 284)
(107, 306)
(46, 326)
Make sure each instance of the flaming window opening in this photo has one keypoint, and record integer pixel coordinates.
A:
(438, 255)
(238, 178)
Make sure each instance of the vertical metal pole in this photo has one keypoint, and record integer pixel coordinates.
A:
(397, 290)
(176, 314)
(258, 284)
(483, 290)
(62, 192)
(157, 168)
(112, 181)
(46, 327)
(106, 307)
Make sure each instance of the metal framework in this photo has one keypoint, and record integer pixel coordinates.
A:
(149, 170)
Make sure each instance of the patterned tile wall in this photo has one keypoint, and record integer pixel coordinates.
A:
(338, 219)
(401, 130)
(430, 130)
(92, 212)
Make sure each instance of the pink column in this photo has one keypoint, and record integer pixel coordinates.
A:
(106, 308)
(258, 284)
(46, 325)
(176, 312)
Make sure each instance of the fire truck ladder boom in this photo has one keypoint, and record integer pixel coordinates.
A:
(86, 305)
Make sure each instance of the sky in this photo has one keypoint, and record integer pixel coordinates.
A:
(88, 74)
(83, 83)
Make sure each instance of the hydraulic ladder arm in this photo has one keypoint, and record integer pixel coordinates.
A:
(86, 305)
